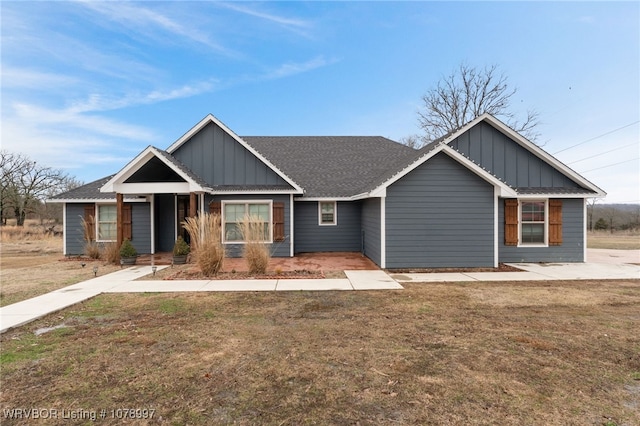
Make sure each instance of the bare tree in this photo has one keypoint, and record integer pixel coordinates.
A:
(412, 141)
(467, 93)
(25, 184)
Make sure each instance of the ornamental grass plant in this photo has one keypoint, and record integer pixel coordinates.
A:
(206, 244)
(256, 251)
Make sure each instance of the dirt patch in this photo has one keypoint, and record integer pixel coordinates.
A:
(442, 353)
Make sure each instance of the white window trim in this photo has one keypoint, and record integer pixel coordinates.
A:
(222, 225)
(335, 213)
(97, 222)
(546, 223)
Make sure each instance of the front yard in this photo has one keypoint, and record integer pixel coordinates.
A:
(452, 353)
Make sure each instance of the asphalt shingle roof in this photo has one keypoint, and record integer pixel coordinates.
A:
(332, 166)
(89, 191)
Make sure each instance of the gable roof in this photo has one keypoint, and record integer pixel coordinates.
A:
(212, 119)
(529, 146)
(332, 166)
(117, 183)
(442, 145)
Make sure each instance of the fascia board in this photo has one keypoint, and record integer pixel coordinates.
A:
(325, 199)
(213, 191)
(551, 195)
(212, 119)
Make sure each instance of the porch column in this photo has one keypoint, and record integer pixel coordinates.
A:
(193, 204)
(119, 217)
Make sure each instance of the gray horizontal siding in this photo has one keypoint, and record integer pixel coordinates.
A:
(508, 160)
(311, 237)
(219, 159)
(439, 215)
(278, 249)
(141, 227)
(74, 239)
(371, 229)
(571, 250)
(140, 231)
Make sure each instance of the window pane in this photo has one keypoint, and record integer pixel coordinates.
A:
(233, 212)
(107, 213)
(533, 211)
(232, 232)
(533, 233)
(260, 210)
(327, 212)
(107, 231)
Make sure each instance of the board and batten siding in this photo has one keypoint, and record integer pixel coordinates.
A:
(571, 249)
(371, 229)
(278, 248)
(312, 237)
(440, 215)
(507, 160)
(140, 228)
(219, 159)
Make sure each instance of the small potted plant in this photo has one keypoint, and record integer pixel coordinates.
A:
(180, 251)
(128, 253)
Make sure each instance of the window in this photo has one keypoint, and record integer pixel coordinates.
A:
(107, 223)
(533, 220)
(235, 212)
(327, 212)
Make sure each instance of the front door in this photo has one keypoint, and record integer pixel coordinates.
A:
(184, 211)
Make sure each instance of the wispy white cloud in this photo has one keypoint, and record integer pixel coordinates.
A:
(292, 68)
(287, 22)
(33, 79)
(144, 20)
(98, 102)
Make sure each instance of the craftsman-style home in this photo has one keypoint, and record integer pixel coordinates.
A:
(477, 197)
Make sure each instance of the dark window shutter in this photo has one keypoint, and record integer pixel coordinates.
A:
(555, 222)
(278, 221)
(90, 219)
(511, 222)
(127, 221)
(215, 207)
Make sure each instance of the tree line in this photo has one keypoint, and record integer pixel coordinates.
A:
(25, 185)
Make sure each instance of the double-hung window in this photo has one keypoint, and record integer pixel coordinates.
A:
(533, 222)
(327, 213)
(107, 222)
(234, 213)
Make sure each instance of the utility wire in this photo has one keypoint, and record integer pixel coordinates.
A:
(599, 136)
(602, 153)
(611, 165)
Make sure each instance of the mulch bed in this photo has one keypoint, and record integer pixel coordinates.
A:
(194, 274)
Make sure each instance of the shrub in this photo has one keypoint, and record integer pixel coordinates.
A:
(256, 251)
(181, 248)
(206, 245)
(127, 249)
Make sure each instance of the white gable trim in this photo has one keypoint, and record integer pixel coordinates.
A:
(531, 147)
(117, 182)
(504, 189)
(212, 119)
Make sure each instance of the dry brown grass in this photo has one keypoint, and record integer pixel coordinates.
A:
(619, 240)
(31, 267)
(206, 244)
(430, 354)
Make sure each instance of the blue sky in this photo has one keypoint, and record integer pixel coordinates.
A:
(87, 85)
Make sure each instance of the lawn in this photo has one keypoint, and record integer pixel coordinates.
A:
(450, 353)
(619, 240)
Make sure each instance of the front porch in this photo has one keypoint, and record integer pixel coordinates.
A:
(333, 261)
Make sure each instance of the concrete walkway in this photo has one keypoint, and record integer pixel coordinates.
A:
(533, 272)
(123, 281)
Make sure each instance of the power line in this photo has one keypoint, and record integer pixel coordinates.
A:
(611, 165)
(602, 153)
(599, 136)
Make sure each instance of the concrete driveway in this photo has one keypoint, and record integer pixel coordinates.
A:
(615, 257)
